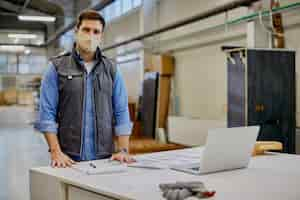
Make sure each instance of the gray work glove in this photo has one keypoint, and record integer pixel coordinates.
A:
(184, 190)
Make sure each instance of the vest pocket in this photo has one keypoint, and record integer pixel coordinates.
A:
(104, 112)
(69, 82)
(105, 139)
(69, 139)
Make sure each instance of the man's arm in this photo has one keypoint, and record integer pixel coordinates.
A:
(46, 122)
(123, 125)
(123, 142)
(58, 158)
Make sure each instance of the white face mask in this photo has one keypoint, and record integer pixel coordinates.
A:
(88, 42)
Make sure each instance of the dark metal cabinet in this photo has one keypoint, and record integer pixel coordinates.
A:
(261, 91)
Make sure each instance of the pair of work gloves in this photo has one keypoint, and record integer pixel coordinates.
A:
(185, 190)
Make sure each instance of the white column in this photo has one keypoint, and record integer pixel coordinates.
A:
(257, 35)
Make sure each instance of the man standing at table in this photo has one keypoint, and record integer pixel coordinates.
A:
(83, 101)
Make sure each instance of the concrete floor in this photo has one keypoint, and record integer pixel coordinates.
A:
(21, 148)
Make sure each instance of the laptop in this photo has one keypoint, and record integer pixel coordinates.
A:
(225, 149)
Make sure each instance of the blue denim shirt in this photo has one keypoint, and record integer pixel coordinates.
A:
(46, 121)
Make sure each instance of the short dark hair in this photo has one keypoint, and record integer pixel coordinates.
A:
(89, 14)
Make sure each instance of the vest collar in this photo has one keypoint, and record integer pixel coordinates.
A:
(80, 61)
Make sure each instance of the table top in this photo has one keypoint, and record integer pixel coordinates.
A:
(272, 176)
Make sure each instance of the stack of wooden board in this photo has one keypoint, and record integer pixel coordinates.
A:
(165, 66)
(149, 104)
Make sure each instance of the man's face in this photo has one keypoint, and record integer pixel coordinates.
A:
(89, 35)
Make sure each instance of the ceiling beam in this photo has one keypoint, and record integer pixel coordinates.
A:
(203, 15)
(14, 8)
(12, 23)
(24, 6)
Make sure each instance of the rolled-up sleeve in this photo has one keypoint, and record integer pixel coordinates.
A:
(123, 125)
(46, 119)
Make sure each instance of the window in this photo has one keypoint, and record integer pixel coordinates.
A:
(118, 8)
(117, 4)
(137, 3)
(66, 40)
(3, 63)
(127, 5)
(23, 64)
(12, 63)
(38, 63)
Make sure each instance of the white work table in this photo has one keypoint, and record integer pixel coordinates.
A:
(268, 177)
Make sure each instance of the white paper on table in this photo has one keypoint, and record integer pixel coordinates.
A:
(169, 159)
(103, 168)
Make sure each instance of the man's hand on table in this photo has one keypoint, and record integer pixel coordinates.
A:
(123, 157)
(59, 159)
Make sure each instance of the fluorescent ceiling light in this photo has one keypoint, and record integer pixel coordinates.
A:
(22, 36)
(16, 40)
(12, 48)
(36, 18)
(39, 42)
(27, 51)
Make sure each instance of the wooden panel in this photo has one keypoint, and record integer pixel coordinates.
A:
(164, 64)
(261, 147)
(149, 145)
(164, 100)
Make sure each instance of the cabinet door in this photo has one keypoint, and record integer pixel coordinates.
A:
(265, 87)
(270, 95)
(254, 93)
(236, 90)
(75, 193)
(286, 64)
(271, 86)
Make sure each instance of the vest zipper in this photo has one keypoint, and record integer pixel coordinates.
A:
(101, 131)
(95, 115)
(83, 111)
